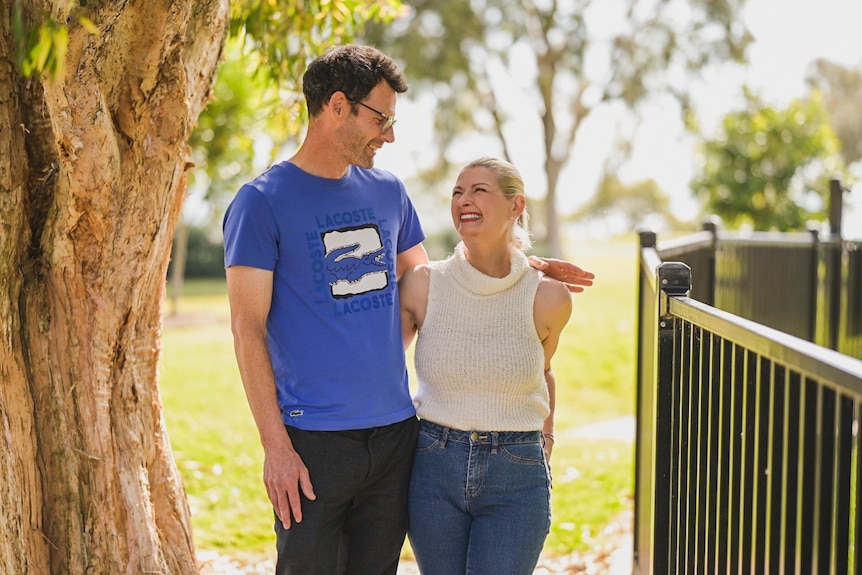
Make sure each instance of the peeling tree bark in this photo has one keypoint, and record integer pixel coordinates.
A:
(91, 182)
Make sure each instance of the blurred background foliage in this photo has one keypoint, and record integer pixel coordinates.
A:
(256, 112)
(466, 57)
(769, 169)
(763, 168)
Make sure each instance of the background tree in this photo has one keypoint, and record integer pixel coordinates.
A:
(470, 56)
(628, 206)
(242, 114)
(769, 168)
(841, 88)
(92, 159)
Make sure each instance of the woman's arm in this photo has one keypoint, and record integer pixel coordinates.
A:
(413, 295)
(551, 311)
(410, 258)
(548, 427)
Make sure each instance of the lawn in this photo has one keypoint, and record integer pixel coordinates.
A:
(219, 456)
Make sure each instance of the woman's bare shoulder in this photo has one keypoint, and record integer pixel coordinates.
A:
(553, 298)
(553, 290)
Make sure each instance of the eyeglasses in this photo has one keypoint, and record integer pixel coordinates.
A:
(389, 121)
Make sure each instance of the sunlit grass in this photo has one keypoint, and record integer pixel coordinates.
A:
(592, 484)
(594, 369)
(214, 438)
(220, 459)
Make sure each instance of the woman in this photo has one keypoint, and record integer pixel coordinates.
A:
(488, 327)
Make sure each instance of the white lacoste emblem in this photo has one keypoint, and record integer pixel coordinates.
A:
(296, 413)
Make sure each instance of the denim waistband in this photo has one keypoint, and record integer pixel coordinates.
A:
(476, 437)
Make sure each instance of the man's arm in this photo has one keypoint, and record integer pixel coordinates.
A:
(575, 278)
(284, 473)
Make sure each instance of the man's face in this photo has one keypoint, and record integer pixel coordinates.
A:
(366, 132)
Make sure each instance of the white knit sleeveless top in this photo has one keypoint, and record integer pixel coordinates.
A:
(479, 360)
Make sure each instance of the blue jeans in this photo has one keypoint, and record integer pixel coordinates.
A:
(479, 503)
(357, 523)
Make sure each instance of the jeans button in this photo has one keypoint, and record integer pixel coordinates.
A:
(474, 436)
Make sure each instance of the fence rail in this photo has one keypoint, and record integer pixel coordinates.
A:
(799, 283)
(748, 448)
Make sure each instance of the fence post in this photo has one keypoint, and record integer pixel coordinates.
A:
(818, 248)
(647, 240)
(673, 280)
(644, 488)
(711, 225)
(833, 255)
(836, 207)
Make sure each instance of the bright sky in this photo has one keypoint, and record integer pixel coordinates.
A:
(790, 34)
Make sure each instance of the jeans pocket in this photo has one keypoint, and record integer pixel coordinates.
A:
(525, 453)
(426, 443)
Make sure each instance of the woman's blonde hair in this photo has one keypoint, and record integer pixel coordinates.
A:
(512, 185)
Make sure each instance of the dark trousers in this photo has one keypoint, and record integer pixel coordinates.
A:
(358, 522)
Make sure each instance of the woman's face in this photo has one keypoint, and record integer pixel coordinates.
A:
(479, 207)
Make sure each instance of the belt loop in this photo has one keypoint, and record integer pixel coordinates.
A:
(445, 438)
(495, 441)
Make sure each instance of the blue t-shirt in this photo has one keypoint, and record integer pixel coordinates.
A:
(334, 328)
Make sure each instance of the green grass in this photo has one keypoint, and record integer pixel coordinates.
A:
(592, 484)
(220, 459)
(214, 438)
(594, 369)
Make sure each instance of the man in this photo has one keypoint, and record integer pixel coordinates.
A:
(313, 250)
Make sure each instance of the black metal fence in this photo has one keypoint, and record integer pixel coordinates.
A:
(798, 283)
(748, 456)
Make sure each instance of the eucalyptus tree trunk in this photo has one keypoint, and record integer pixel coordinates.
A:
(91, 170)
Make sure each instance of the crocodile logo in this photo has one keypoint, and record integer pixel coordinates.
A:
(342, 264)
(355, 261)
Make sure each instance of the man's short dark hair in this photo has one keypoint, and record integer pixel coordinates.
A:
(352, 69)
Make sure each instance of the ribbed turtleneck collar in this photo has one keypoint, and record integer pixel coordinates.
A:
(481, 284)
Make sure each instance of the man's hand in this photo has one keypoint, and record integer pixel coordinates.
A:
(284, 474)
(575, 278)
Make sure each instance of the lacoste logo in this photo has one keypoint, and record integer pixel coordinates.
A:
(296, 413)
(355, 260)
